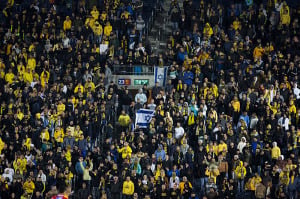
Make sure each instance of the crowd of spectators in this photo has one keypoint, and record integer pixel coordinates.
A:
(226, 125)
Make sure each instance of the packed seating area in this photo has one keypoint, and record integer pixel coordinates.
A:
(226, 124)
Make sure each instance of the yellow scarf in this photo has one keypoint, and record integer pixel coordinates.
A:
(191, 119)
(179, 87)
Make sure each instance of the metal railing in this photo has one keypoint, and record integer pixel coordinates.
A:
(132, 70)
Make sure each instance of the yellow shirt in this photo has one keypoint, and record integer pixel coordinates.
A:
(67, 24)
(20, 164)
(236, 25)
(2, 144)
(97, 29)
(107, 30)
(95, 14)
(258, 52)
(128, 188)
(126, 151)
(275, 152)
(292, 109)
(28, 77)
(222, 147)
(90, 84)
(45, 136)
(181, 186)
(9, 78)
(44, 78)
(236, 106)
(59, 135)
(61, 108)
(124, 120)
(29, 187)
(31, 64)
(77, 89)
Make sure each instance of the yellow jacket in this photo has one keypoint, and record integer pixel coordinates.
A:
(208, 31)
(97, 29)
(128, 187)
(89, 84)
(124, 120)
(59, 135)
(285, 19)
(236, 25)
(240, 171)
(253, 182)
(212, 174)
(68, 156)
(126, 151)
(236, 106)
(31, 64)
(215, 90)
(20, 164)
(77, 89)
(61, 108)
(45, 135)
(95, 14)
(2, 74)
(27, 143)
(67, 24)
(221, 147)
(125, 14)
(2, 144)
(29, 187)
(284, 177)
(44, 78)
(275, 152)
(292, 109)
(21, 69)
(107, 29)
(77, 134)
(27, 77)
(181, 186)
(258, 52)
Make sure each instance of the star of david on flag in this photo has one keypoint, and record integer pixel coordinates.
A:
(143, 117)
(160, 75)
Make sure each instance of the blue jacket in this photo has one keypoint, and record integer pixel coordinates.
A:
(188, 78)
(169, 173)
(160, 154)
(181, 57)
(78, 168)
(254, 147)
(138, 169)
(246, 119)
(193, 108)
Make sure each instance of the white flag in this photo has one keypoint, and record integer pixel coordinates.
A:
(160, 75)
(143, 117)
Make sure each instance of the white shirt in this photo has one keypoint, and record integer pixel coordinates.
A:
(241, 146)
(284, 123)
(142, 97)
(173, 182)
(179, 131)
(297, 92)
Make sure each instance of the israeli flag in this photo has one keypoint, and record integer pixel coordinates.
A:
(143, 117)
(160, 75)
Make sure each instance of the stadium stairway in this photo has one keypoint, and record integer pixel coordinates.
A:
(161, 27)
